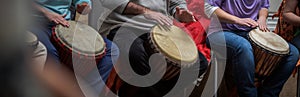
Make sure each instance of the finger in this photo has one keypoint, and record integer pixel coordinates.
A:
(268, 29)
(63, 22)
(55, 21)
(253, 23)
(64, 15)
(178, 10)
(167, 20)
(159, 22)
(66, 23)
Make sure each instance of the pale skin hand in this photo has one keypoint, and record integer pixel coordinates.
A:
(135, 9)
(262, 24)
(184, 15)
(159, 17)
(53, 17)
(228, 18)
(246, 22)
(57, 19)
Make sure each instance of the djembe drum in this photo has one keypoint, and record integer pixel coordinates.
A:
(268, 48)
(178, 48)
(78, 45)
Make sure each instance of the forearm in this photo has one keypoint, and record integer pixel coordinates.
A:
(289, 12)
(40, 8)
(263, 14)
(135, 9)
(225, 17)
(292, 18)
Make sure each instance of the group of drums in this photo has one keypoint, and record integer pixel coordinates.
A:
(81, 46)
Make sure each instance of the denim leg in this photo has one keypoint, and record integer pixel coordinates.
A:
(272, 86)
(296, 41)
(104, 68)
(106, 63)
(238, 52)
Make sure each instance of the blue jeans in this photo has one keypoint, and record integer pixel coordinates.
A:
(104, 66)
(237, 51)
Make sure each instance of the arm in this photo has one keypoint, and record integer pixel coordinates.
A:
(178, 9)
(135, 9)
(262, 19)
(262, 16)
(226, 17)
(289, 12)
(53, 17)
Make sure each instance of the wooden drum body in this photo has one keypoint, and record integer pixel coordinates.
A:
(268, 49)
(78, 45)
(177, 46)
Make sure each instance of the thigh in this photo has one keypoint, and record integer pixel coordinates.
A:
(44, 35)
(228, 43)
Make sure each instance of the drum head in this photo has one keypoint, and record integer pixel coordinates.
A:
(31, 39)
(269, 41)
(175, 44)
(81, 38)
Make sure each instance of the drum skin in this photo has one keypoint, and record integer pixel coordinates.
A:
(176, 45)
(268, 48)
(78, 45)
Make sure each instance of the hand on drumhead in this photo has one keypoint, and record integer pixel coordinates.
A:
(83, 8)
(263, 25)
(247, 22)
(184, 15)
(57, 19)
(159, 17)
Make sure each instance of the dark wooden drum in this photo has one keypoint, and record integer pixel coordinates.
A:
(176, 45)
(269, 48)
(78, 45)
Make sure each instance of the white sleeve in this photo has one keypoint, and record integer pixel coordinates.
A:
(209, 9)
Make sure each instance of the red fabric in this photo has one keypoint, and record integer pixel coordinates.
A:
(197, 7)
(197, 30)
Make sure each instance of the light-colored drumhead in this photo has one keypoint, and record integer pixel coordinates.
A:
(175, 44)
(269, 41)
(31, 39)
(81, 38)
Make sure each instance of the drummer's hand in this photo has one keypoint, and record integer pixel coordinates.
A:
(262, 25)
(83, 8)
(159, 17)
(246, 22)
(184, 15)
(57, 19)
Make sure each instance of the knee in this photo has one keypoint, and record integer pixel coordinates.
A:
(244, 46)
(111, 48)
(294, 53)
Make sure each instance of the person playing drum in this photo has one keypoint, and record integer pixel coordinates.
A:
(49, 13)
(231, 21)
(129, 25)
(291, 17)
